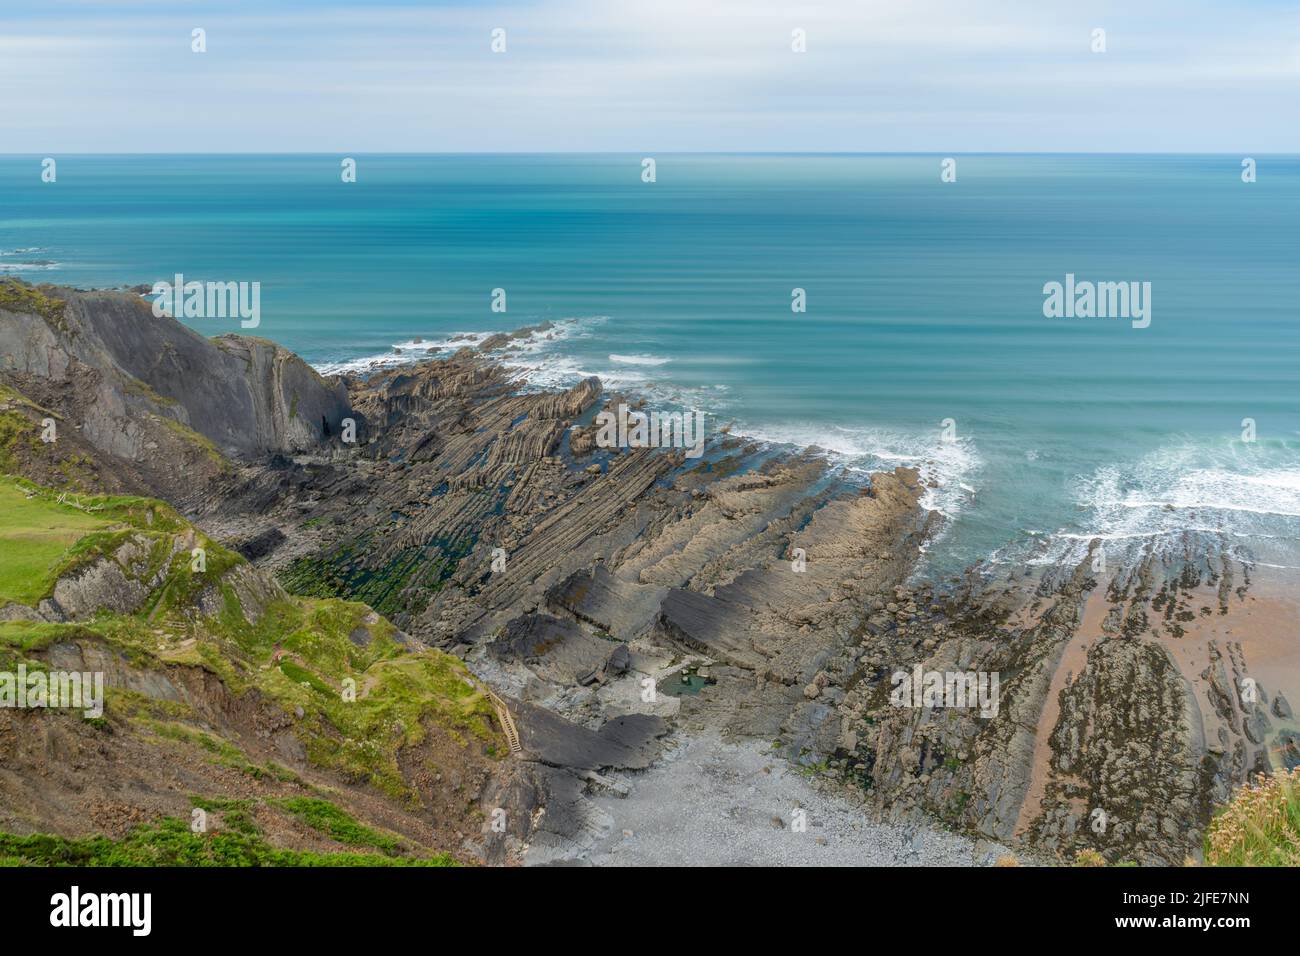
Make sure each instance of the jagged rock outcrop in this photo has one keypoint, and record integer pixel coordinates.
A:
(1122, 720)
(761, 595)
(127, 370)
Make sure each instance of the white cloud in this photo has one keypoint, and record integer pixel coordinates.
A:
(671, 75)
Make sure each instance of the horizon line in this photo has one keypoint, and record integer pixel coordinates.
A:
(672, 152)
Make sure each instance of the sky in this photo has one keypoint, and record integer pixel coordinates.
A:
(650, 75)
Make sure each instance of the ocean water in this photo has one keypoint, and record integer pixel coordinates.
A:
(924, 304)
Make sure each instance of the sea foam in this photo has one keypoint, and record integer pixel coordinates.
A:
(1245, 497)
(948, 469)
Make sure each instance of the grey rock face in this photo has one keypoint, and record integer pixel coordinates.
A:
(249, 396)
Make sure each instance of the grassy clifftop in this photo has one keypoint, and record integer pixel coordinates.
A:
(18, 297)
(36, 532)
(210, 663)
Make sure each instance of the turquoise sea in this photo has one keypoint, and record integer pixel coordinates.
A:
(924, 303)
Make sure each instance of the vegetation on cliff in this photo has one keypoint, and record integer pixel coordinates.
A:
(20, 298)
(356, 694)
(1261, 826)
(170, 842)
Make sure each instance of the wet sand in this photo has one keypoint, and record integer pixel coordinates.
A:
(1265, 622)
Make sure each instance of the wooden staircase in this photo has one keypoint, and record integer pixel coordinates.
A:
(507, 722)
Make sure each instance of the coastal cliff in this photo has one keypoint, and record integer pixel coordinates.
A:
(151, 392)
(630, 605)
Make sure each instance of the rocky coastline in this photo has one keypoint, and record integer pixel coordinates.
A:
(640, 612)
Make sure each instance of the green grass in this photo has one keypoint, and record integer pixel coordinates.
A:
(22, 299)
(15, 432)
(1260, 827)
(338, 824)
(222, 751)
(236, 815)
(12, 396)
(43, 539)
(295, 652)
(398, 691)
(300, 675)
(35, 533)
(170, 843)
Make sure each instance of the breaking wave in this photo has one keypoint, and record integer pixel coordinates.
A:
(27, 265)
(947, 469)
(1245, 497)
(419, 349)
